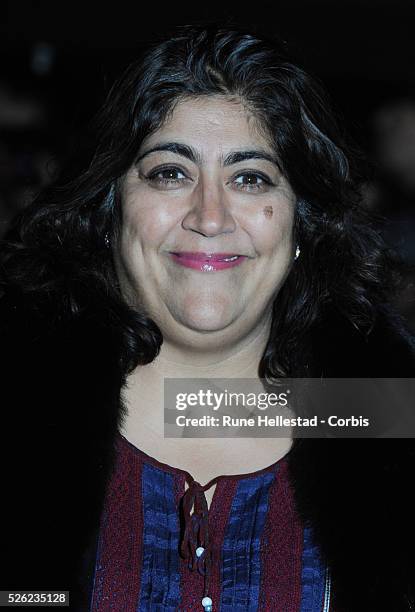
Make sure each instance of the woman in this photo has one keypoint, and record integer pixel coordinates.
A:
(214, 231)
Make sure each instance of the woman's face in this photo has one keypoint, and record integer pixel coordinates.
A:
(207, 223)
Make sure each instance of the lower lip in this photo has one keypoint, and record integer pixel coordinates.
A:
(206, 264)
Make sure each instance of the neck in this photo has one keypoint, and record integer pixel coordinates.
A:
(144, 398)
(144, 392)
(239, 361)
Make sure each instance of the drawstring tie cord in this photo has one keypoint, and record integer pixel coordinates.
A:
(195, 543)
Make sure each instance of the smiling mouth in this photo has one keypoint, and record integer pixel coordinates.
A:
(207, 262)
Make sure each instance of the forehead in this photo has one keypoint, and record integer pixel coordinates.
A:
(217, 122)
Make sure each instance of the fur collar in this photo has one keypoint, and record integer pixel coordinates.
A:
(61, 391)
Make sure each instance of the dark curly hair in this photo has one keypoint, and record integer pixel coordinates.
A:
(60, 252)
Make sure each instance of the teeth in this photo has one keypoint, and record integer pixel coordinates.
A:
(231, 258)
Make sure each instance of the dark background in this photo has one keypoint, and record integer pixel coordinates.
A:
(58, 59)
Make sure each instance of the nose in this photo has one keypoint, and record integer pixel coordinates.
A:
(209, 214)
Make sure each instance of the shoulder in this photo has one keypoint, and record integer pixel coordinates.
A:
(60, 408)
(357, 493)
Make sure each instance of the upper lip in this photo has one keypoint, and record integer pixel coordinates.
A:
(198, 255)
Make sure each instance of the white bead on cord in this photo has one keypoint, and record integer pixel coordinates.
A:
(207, 604)
(206, 601)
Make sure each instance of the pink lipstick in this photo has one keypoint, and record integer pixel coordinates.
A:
(207, 262)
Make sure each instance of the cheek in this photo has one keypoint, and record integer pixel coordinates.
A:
(145, 222)
(272, 227)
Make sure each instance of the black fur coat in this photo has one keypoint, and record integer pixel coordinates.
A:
(61, 381)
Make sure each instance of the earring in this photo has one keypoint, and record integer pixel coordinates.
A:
(107, 240)
(297, 252)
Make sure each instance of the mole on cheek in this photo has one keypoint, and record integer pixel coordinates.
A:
(268, 212)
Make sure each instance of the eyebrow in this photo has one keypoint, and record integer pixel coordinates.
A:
(234, 157)
(174, 147)
(240, 156)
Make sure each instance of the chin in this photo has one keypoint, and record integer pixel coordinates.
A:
(202, 322)
(207, 326)
(206, 316)
(206, 312)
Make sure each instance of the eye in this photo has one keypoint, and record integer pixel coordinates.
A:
(251, 181)
(166, 176)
